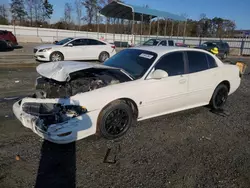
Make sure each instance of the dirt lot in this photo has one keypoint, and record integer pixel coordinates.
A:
(194, 148)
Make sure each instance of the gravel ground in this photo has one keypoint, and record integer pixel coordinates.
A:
(193, 148)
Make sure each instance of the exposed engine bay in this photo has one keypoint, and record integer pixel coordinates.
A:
(46, 113)
(79, 82)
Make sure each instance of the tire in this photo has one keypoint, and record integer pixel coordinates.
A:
(103, 56)
(115, 120)
(3, 45)
(56, 56)
(219, 97)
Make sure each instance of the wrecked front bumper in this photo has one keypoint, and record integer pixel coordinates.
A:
(65, 132)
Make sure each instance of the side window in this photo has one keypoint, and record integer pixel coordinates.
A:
(197, 61)
(163, 43)
(170, 43)
(79, 42)
(211, 61)
(95, 42)
(172, 63)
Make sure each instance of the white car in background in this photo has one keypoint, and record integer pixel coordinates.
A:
(75, 49)
(77, 99)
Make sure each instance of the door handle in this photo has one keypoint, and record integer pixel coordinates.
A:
(182, 81)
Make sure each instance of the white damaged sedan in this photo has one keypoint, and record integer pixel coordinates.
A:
(74, 100)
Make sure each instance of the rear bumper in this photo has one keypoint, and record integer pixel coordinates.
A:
(234, 85)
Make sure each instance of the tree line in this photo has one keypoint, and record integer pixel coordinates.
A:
(38, 13)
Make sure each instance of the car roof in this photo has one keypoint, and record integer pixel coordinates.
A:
(215, 41)
(84, 38)
(75, 38)
(161, 50)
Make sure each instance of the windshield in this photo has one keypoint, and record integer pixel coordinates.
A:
(64, 41)
(151, 42)
(134, 61)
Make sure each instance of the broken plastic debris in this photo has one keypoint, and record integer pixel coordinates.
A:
(11, 98)
(17, 81)
(6, 116)
(17, 157)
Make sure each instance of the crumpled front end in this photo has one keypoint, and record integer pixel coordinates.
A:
(56, 112)
(57, 120)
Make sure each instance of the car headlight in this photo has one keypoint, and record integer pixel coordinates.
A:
(45, 50)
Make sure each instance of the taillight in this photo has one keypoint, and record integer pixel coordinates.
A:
(113, 46)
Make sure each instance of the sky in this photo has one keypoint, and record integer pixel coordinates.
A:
(235, 10)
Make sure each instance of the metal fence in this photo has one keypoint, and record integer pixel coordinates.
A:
(238, 46)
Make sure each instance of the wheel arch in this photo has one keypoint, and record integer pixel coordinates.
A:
(226, 83)
(103, 52)
(128, 101)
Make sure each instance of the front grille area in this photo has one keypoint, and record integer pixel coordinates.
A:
(35, 50)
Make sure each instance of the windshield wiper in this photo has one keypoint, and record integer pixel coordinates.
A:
(126, 72)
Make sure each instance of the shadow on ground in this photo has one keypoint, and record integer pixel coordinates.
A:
(57, 167)
(18, 47)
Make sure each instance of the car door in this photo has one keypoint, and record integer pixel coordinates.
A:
(95, 48)
(166, 94)
(76, 51)
(203, 71)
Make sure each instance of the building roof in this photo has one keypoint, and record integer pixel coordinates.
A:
(125, 11)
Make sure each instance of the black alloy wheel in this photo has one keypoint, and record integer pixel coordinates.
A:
(219, 97)
(115, 120)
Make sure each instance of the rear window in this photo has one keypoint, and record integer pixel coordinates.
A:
(210, 44)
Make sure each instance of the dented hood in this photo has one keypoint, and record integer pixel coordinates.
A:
(61, 70)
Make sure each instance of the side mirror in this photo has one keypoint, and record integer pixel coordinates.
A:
(159, 74)
(55, 42)
(70, 45)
